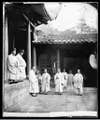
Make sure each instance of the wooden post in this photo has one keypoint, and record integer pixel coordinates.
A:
(58, 58)
(5, 44)
(34, 51)
(29, 48)
(34, 57)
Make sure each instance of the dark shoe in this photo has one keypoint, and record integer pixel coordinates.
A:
(10, 81)
(30, 94)
(80, 94)
(40, 92)
(60, 93)
(57, 93)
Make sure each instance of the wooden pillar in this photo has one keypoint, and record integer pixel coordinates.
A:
(58, 58)
(34, 50)
(5, 44)
(34, 57)
(29, 49)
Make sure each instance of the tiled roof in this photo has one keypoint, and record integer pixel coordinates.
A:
(65, 40)
(36, 13)
(80, 33)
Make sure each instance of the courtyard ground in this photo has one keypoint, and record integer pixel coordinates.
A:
(16, 98)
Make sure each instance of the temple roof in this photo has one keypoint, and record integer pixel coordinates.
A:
(18, 12)
(47, 35)
(80, 31)
(58, 40)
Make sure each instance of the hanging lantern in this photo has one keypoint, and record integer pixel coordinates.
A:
(93, 61)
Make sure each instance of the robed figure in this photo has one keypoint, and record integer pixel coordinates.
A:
(78, 82)
(46, 82)
(12, 65)
(65, 77)
(59, 82)
(34, 85)
(21, 73)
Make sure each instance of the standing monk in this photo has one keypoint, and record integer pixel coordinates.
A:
(65, 77)
(34, 86)
(21, 66)
(58, 78)
(46, 82)
(12, 65)
(78, 82)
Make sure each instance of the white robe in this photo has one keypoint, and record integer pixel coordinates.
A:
(21, 73)
(78, 81)
(12, 65)
(58, 78)
(46, 82)
(65, 77)
(34, 85)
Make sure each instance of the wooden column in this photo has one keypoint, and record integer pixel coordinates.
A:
(5, 44)
(29, 49)
(58, 58)
(34, 50)
(34, 57)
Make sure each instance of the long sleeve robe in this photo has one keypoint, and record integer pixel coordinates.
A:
(21, 67)
(65, 77)
(46, 82)
(12, 65)
(78, 81)
(34, 85)
(58, 78)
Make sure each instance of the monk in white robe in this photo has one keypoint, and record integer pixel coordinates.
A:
(59, 82)
(34, 85)
(78, 82)
(46, 82)
(12, 65)
(21, 73)
(65, 77)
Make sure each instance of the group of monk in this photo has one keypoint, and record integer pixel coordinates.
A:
(41, 83)
(16, 66)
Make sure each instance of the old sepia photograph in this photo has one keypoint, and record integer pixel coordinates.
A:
(50, 59)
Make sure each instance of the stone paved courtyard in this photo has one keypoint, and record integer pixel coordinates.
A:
(17, 99)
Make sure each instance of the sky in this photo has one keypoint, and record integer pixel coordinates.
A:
(70, 14)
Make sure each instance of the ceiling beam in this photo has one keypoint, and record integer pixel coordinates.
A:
(29, 21)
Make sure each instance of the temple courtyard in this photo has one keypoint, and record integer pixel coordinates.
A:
(16, 99)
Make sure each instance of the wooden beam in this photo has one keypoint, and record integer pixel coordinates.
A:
(29, 21)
